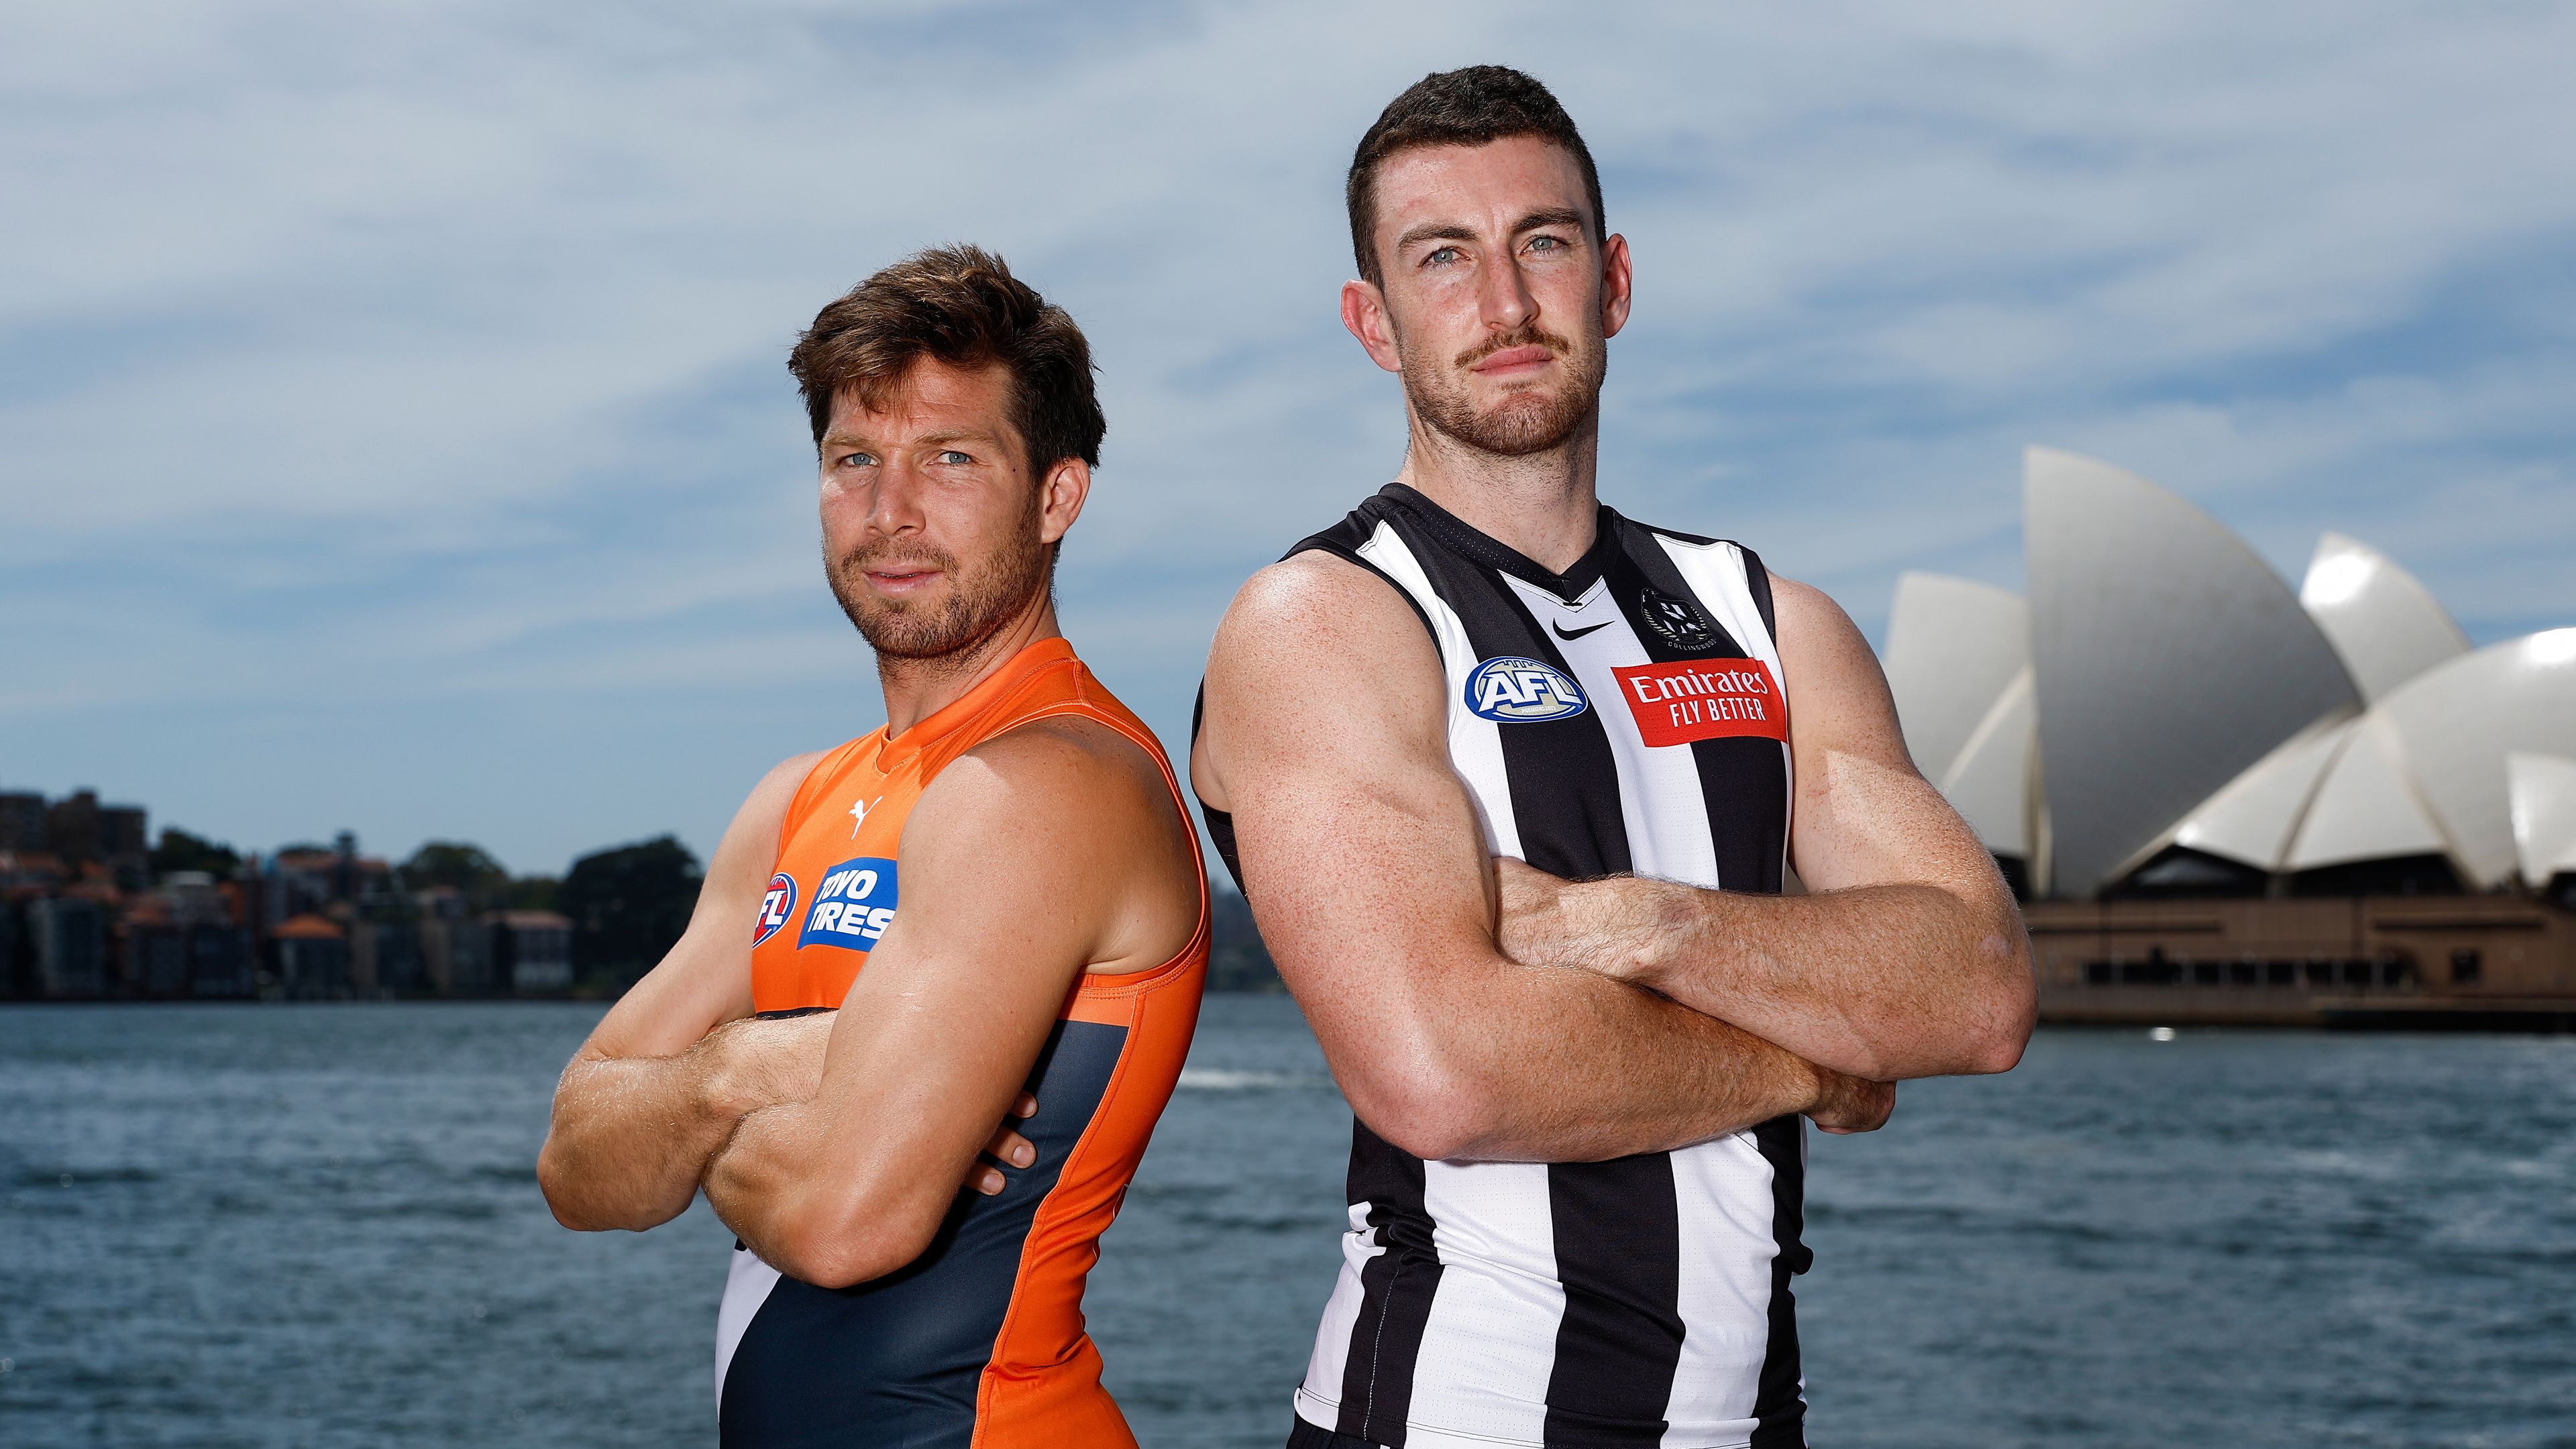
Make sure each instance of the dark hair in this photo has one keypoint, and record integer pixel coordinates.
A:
(1468, 107)
(962, 306)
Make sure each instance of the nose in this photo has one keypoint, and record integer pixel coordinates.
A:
(1505, 302)
(895, 507)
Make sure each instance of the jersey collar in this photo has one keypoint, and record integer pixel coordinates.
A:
(1485, 549)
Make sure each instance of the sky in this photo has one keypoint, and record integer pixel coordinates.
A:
(394, 431)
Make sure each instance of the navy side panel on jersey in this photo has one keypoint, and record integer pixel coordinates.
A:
(895, 1363)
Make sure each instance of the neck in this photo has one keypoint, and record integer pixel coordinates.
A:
(916, 689)
(1541, 504)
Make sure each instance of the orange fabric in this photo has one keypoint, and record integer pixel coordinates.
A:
(1042, 1383)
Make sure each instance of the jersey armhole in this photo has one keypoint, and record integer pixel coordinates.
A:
(1350, 555)
(1757, 582)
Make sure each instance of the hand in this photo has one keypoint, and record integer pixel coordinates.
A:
(1008, 1148)
(1850, 1104)
(1532, 925)
(754, 1062)
(1544, 920)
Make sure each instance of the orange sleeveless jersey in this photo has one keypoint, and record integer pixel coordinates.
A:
(980, 1341)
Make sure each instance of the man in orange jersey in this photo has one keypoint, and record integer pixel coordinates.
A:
(1516, 784)
(987, 915)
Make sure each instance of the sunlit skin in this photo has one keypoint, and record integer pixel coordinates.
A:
(832, 1142)
(925, 507)
(1477, 244)
(1473, 1007)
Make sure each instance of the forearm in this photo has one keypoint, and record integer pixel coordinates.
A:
(629, 1138)
(1535, 1064)
(825, 1204)
(1886, 982)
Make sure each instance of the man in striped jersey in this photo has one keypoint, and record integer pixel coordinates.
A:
(1514, 785)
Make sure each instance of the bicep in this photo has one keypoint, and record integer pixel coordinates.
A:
(1003, 907)
(1864, 814)
(705, 979)
(1363, 858)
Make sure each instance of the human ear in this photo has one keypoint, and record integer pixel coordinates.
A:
(1061, 494)
(1364, 313)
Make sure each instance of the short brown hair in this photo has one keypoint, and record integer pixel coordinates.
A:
(962, 306)
(1467, 107)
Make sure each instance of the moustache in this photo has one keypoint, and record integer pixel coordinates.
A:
(1527, 335)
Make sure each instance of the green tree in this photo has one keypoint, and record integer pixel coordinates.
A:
(180, 850)
(628, 906)
(467, 868)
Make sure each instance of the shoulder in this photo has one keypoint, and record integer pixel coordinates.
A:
(1815, 630)
(1063, 768)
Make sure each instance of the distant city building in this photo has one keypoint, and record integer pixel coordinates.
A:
(69, 936)
(385, 957)
(455, 949)
(312, 954)
(220, 962)
(531, 951)
(22, 822)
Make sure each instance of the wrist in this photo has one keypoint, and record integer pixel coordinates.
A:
(1650, 921)
(719, 1091)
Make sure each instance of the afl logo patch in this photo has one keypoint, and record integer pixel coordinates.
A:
(1677, 622)
(1513, 690)
(776, 907)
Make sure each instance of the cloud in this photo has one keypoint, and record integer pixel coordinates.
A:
(410, 376)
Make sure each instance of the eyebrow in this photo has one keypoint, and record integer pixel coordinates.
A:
(1459, 231)
(954, 435)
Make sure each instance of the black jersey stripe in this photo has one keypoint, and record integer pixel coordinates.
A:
(1618, 1253)
(1779, 1404)
(1744, 780)
(1398, 1286)
(1564, 777)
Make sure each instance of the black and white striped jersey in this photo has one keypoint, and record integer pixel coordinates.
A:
(1625, 716)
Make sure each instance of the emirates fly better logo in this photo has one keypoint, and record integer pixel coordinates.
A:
(1675, 704)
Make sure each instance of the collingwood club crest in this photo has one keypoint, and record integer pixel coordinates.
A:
(1676, 621)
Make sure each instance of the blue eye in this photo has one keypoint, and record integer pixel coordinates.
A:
(856, 460)
(1441, 256)
(954, 458)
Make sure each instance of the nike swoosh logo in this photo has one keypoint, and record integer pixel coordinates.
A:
(1564, 633)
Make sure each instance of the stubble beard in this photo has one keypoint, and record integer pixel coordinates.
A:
(978, 604)
(1528, 420)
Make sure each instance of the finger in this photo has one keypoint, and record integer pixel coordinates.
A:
(1024, 1107)
(986, 1181)
(1011, 1149)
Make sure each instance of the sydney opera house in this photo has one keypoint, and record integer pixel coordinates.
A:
(2227, 801)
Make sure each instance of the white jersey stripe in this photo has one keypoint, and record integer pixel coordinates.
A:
(1475, 745)
(1326, 1367)
(1498, 1253)
(1724, 1189)
(747, 1284)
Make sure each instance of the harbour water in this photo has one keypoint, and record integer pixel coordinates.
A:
(319, 1225)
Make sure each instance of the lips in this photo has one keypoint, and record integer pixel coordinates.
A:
(897, 580)
(1515, 359)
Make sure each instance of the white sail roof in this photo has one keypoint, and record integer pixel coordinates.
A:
(2167, 657)
(2368, 807)
(2543, 792)
(2384, 624)
(2460, 720)
(1953, 646)
(1990, 783)
(2255, 817)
